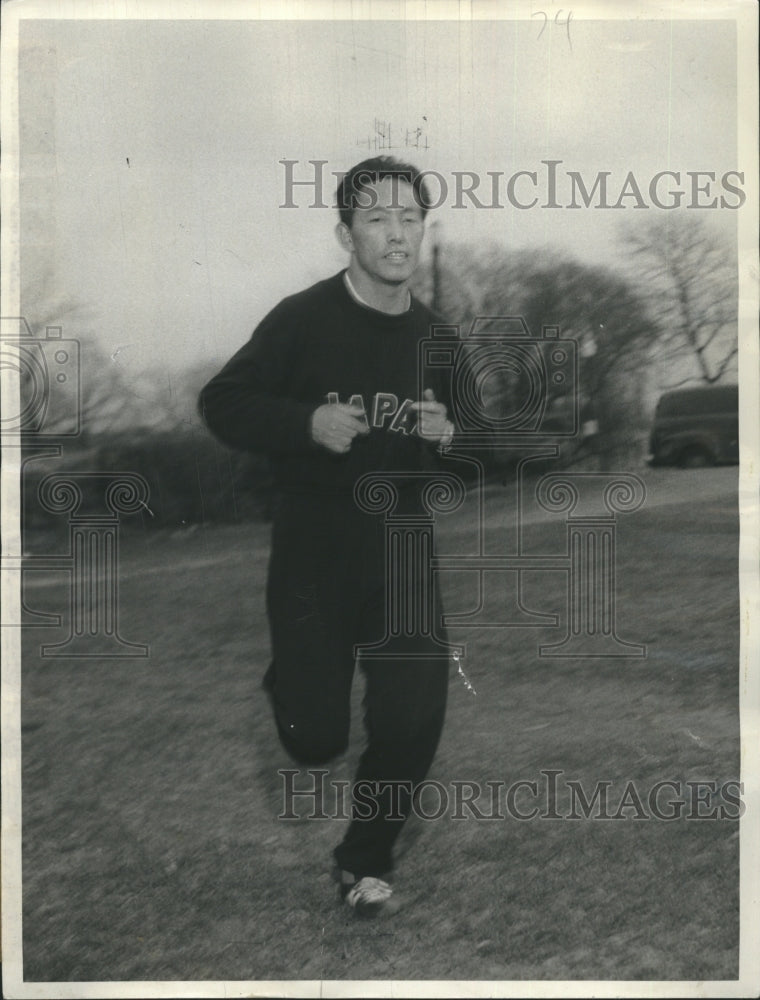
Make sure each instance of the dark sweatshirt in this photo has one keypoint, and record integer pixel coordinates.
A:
(321, 346)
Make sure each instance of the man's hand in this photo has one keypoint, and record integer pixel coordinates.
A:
(432, 422)
(335, 425)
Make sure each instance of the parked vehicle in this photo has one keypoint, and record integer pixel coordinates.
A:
(696, 427)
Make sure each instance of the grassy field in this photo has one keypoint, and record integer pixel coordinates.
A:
(152, 847)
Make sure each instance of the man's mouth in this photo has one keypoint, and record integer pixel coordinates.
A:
(397, 255)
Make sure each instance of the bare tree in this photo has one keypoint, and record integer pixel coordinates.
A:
(690, 277)
(613, 330)
(110, 392)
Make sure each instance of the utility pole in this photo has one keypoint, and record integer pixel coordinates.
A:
(436, 268)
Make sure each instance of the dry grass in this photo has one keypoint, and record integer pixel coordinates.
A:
(152, 848)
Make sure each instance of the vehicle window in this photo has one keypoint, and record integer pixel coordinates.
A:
(692, 402)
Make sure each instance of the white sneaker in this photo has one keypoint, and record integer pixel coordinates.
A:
(367, 896)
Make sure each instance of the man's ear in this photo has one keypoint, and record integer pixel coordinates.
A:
(344, 237)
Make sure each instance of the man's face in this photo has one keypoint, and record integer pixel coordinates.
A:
(384, 237)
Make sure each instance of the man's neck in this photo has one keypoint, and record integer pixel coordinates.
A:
(385, 298)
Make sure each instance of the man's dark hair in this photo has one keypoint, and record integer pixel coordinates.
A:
(352, 185)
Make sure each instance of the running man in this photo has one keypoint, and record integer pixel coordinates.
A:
(328, 388)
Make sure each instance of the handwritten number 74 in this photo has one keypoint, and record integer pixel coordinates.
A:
(557, 20)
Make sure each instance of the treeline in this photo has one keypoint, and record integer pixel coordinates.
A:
(190, 477)
(676, 308)
(149, 428)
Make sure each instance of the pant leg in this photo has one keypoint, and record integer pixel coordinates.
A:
(326, 594)
(405, 706)
(310, 617)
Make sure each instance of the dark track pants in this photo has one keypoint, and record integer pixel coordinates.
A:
(325, 594)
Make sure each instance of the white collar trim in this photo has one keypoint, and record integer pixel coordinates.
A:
(353, 292)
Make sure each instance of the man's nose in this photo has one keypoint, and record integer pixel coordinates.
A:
(395, 230)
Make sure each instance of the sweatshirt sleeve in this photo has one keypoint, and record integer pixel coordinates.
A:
(247, 405)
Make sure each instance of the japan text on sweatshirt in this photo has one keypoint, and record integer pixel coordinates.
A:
(322, 346)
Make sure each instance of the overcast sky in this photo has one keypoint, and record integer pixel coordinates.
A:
(150, 149)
